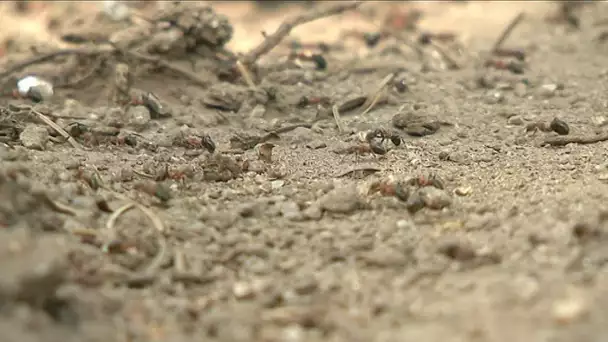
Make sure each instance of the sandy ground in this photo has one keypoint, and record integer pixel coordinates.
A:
(482, 229)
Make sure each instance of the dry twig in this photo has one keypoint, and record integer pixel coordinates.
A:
(178, 70)
(374, 97)
(57, 128)
(507, 31)
(246, 75)
(49, 56)
(565, 140)
(336, 114)
(103, 50)
(116, 214)
(272, 40)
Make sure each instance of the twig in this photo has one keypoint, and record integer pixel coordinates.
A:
(108, 49)
(178, 70)
(58, 129)
(156, 222)
(336, 113)
(272, 40)
(366, 168)
(51, 55)
(157, 262)
(288, 128)
(507, 31)
(452, 63)
(116, 214)
(86, 76)
(563, 141)
(246, 75)
(60, 207)
(373, 99)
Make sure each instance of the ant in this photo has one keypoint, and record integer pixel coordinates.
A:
(361, 149)
(384, 134)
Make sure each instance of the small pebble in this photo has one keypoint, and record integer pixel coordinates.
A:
(457, 250)
(435, 198)
(547, 90)
(34, 137)
(414, 203)
(301, 135)
(569, 310)
(138, 117)
(521, 89)
(342, 200)
(405, 225)
(291, 211)
(313, 212)
(242, 290)
(515, 120)
(463, 190)
(599, 121)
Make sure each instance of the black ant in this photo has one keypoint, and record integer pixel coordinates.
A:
(384, 134)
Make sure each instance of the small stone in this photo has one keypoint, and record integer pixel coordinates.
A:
(291, 211)
(185, 100)
(569, 310)
(434, 198)
(342, 200)
(515, 120)
(414, 203)
(599, 121)
(301, 135)
(258, 111)
(463, 190)
(316, 145)
(457, 250)
(138, 117)
(547, 90)
(521, 89)
(405, 225)
(277, 184)
(494, 97)
(34, 137)
(242, 290)
(313, 212)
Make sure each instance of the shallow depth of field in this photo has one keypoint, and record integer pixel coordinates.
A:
(303, 171)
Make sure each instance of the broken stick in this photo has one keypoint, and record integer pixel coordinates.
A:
(101, 50)
(507, 31)
(563, 141)
(272, 40)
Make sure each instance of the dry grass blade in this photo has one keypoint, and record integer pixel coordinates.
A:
(156, 222)
(507, 31)
(51, 55)
(180, 71)
(374, 97)
(337, 118)
(272, 40)
(157, 262)
(58, 129)
(246, 75)
(111, 223)
(452, 64)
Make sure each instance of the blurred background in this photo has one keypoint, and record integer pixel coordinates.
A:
(24, 24)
